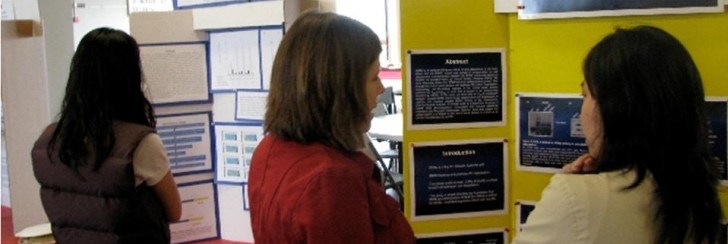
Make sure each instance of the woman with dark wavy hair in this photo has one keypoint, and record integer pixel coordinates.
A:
(653, 179)
(103, 170)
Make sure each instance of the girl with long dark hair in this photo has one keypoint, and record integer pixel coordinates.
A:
(103, 170)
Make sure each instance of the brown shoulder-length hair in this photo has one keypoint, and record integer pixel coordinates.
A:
(318, 90)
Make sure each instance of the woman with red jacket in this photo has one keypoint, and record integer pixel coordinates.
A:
(308, 181)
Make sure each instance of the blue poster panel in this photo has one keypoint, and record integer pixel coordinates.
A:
(186, 137)
(489, 237)
(717, 113)
(456, 88)
(549, 132)
(458, 179)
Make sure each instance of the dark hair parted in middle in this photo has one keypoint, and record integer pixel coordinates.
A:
(318, 90)
(104, 84)
(651, 101)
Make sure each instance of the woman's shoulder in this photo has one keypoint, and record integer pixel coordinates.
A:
(599, 186)
(123, 125)
(570, 179)
(312, 157)
(580, 186)
(600, 178)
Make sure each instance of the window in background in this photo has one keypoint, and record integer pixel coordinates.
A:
(382, 16)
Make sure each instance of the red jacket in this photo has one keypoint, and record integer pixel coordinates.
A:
(317, 194)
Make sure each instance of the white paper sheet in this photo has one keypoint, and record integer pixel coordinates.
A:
(250, 105)
(175, 73)
(8, 10)
(269, 41)
(235, 60)
(135, 6)
(246, 201)
(506, 6)
(261, 13)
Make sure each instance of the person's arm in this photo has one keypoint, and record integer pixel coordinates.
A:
(556, 218)
(334, 208)
(151, 167)
(167, 192)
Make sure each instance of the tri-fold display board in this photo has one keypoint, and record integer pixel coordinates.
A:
(207, 72)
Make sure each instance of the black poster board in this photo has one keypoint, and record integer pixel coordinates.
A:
(717, 112)
(458, 179)
(456, 88)
(484, 237)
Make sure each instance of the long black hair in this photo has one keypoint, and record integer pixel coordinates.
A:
(651, 100)
(104, 84)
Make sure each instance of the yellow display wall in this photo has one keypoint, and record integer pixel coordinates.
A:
(543, 56)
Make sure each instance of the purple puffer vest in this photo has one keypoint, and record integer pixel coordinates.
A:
(104, 205)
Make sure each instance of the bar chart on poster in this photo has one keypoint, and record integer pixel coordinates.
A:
(187, 141)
